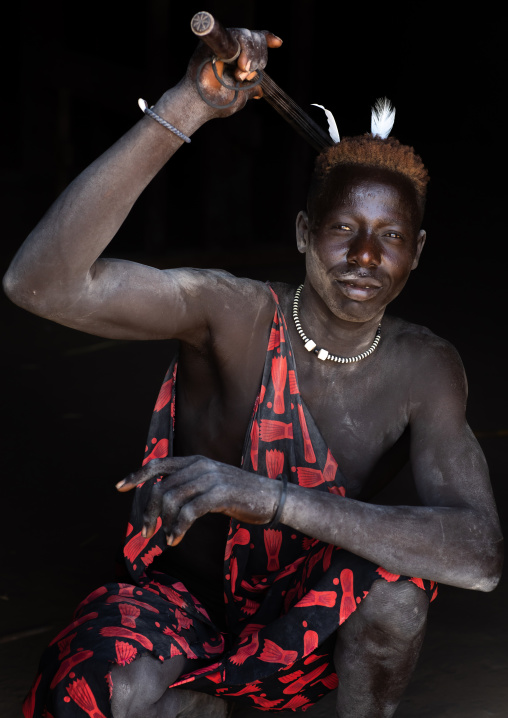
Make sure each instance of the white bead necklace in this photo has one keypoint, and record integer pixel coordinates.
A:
(323, 353)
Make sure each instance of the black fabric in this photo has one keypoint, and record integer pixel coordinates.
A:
(285, 594)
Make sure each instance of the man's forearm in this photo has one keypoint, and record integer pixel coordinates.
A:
(456, 546)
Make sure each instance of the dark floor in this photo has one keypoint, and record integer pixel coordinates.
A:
(75, 416)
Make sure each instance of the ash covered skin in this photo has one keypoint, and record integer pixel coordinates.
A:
(361, 243)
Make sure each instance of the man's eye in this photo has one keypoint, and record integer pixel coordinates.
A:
(393, 235)
(345, 227)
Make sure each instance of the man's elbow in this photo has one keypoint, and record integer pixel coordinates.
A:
(31, 291)
(12, 286)
(17, 289)
(490, 567)
(487, 583)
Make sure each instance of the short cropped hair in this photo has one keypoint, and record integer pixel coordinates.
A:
(367, 151)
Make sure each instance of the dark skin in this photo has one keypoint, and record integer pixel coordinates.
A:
(357, 261)
(359, 253)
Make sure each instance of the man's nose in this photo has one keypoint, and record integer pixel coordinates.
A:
(364, 251)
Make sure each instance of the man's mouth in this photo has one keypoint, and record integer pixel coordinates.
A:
(359, 288)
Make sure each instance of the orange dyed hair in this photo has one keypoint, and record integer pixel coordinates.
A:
(367, 151)
(371, 151)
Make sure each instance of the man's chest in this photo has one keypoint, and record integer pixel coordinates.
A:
(360, 411)
(360, 414)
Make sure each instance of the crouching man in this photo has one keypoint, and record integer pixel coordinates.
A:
(261, 570)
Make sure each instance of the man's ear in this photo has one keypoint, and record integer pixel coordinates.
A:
(302, 232)
(420, 241)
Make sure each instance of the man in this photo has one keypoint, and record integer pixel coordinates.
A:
(319, 584)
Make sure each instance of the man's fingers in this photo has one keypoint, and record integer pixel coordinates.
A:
(254, 48)
(152, 511)
(187, 476)
(165, 503)
(271, 39)
(254, 55)
(155, 468)
(182, 522)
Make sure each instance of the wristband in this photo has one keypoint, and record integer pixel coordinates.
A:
(148, 111)
(282, 501)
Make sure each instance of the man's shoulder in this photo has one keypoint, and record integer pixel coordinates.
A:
(431, 359)
(417, 339)
(233, 308)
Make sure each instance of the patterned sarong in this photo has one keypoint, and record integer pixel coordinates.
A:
(285, 593)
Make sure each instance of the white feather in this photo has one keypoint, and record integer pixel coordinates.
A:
(332, 125)
(142, 104)
(383, 117)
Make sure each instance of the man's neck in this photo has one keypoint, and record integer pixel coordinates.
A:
(340, 336)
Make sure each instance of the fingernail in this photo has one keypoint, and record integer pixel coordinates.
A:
(120, 484)
(247, 66)
(143, 532)
(170, 540)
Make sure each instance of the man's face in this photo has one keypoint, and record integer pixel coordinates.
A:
(363, 246)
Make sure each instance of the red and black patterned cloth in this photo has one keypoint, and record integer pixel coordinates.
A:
(285, 593)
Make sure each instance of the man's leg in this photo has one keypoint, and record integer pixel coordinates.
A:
(140, 690)
(377, 649)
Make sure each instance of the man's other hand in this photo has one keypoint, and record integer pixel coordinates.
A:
(253, 57)
(190, 486)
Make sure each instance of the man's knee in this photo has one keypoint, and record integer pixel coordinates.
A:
(397, 609)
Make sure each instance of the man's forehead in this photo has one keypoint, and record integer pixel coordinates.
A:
(376, 186)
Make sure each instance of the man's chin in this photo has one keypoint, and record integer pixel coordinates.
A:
(360, 312)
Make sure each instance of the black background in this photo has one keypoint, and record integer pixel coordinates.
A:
(75, 407)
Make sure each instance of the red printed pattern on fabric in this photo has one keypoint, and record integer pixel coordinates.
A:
(286, 593)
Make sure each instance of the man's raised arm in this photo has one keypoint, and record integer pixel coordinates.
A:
(57, 273)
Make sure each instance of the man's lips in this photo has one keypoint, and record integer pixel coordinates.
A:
(359, 288)
(359, 281)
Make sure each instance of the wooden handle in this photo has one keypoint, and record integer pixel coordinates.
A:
(218, 39)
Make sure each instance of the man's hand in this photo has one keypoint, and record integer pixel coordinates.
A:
(253, 57)
(194, 486)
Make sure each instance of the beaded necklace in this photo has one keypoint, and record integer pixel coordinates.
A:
(324, 354)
